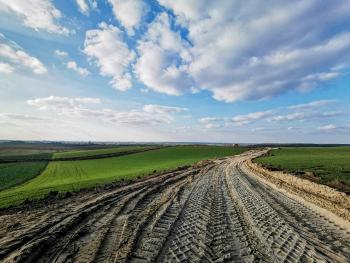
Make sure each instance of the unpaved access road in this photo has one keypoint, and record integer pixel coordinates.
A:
(213, 212)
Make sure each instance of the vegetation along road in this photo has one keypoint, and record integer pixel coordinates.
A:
(215, 211)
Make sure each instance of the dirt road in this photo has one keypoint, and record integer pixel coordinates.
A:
(210, 213)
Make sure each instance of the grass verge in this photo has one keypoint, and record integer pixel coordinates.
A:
(326, 165)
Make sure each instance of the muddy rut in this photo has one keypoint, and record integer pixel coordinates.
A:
(213, 212)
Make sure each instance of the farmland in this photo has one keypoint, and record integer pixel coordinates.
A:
(73, 175)
(12, 174)
(99, 152)
(327, 165)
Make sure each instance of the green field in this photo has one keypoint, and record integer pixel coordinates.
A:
(26, 157)
(330, 165)
(12, 174)
(95, 152)
(74, 175)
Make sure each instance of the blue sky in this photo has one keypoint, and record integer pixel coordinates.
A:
(186, 70)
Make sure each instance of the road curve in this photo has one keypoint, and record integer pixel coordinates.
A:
(214, 212)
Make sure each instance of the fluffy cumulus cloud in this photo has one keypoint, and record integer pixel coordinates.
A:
(241, 50)
(129, 12)
(16, 57)
(81, 107)
(81, 71)
(163, 59)
(107, 48)
(237, 50)
(36, 14)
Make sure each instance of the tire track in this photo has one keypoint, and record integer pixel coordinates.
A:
(313, 227)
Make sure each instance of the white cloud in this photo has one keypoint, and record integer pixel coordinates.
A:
(129, 12)
(323, 76)
(61, 53)
(79, 107)
(332, 127)
(238, 120)
(251, 117)
(151, 108)
(237, 55)
(6, 68)
(312, 104)
(61, 104)
(81, 71)
(14, 117)
(273, 117)
(13, 54)
(85, 5)
(213, 122)
(106, 46)
(327, 127)
(162, 65)
(305, 115)
(210, 119)
(36, 14)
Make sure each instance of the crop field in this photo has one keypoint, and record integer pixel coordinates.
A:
(329, 165)
(26, 157)
(95, 152)
(73, 175)
(12, 174)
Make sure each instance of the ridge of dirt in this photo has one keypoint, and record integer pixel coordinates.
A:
(321, 195)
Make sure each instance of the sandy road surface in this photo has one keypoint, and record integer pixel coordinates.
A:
(210, 213)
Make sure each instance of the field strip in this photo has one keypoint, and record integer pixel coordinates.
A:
(80, 158)
(213, 212)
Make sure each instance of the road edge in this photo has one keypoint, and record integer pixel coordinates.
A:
(329, 202)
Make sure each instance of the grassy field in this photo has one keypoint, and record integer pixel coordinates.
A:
(13, 174)
(73, 175)
(329, 165)
(89, 153)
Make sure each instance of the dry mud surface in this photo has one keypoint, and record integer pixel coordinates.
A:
(215, 212)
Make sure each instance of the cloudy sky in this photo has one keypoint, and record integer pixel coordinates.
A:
(185, 70)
